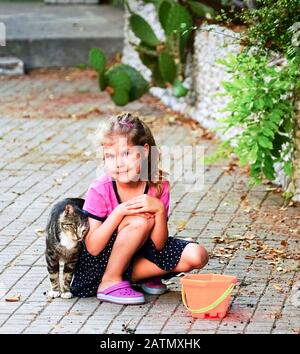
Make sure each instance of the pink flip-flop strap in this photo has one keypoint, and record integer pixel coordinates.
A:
(122, 285)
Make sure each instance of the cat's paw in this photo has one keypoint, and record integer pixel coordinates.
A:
(66, 295)
(53, 294)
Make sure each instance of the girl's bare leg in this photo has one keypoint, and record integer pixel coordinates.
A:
(133, 232)
(194, 256)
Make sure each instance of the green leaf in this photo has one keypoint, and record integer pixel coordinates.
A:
(288, 125)
(97, 59)
(125, 77)
(221, 61)
(120, 97)
(178, 20)
(260, 103)
(267, 131)
(268, 168)
(268, 101)
(178, 89)
(143, 30)
(276, 115)
(156, 76)
(288, 168)
(167, 67)
(139, 85)
(118, 79)
(243, 160)
(253, 153)
(264, 142)
(201, 9)
(163, 12)
(102, 81)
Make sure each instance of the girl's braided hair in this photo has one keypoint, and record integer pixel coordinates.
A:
(138, 133)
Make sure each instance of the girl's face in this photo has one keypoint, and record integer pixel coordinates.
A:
(123, 160)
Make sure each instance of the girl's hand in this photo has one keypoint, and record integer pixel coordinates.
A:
(123, 210)
(145, 215)
(144, 203)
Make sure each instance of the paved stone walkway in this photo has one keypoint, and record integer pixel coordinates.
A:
(45, 156)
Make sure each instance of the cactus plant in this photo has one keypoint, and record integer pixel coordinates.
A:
(121, 81)
(167, 67)
(163, 10)
(201, 10)
(143, 30)
(179, 89)
(164, 59)
(97, 60)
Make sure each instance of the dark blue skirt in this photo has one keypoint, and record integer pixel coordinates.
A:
(90, 269)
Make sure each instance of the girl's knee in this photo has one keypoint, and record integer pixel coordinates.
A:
(197, 256)
(137, 222)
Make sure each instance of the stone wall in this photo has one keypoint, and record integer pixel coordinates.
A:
(293, 184)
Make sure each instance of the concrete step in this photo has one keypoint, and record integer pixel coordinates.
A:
(44, 35)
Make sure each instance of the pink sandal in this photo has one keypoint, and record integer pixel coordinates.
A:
(122, 294)
(154, 286)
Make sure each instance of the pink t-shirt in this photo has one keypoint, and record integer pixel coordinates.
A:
(102, 197)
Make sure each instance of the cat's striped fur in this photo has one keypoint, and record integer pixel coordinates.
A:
(66, 228)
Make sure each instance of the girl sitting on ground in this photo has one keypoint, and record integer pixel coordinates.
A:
(128, 210)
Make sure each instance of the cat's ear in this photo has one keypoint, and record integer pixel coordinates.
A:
(68, 210)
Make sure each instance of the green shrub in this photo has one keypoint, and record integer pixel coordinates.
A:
(262, 93)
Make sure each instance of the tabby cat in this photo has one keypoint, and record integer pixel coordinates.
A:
(66, 228)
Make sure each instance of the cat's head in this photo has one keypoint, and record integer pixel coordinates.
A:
(74, 223)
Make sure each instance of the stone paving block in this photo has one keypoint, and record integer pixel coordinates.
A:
(117, 325)
(230, 331)
(3, 317)
(37, 329)
(205, 331)
(97, 328)
(76, 317)
(257, 327)
(174, 329)
(29, 308)
(151, 323)
(12, 329)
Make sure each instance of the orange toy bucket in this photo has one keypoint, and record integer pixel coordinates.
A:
(207, 295)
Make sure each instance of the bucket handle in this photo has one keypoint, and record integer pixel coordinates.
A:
(209, 307)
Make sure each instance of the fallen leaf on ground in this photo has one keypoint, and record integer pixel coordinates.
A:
(278, 288)
(276, 315)
(39, 232)
(181, 225)
(283, 270)
(14, 298)
(284, 243)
